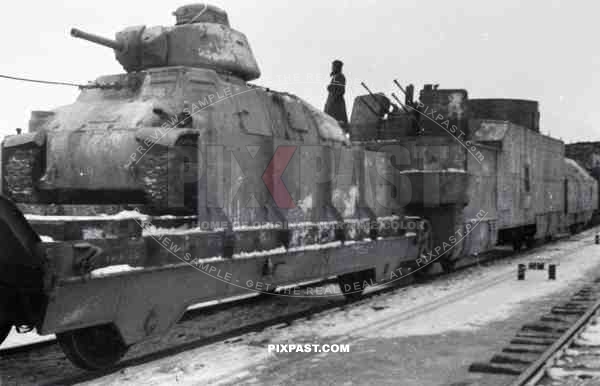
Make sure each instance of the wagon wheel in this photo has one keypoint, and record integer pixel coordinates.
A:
(426, 246)
(530, 242)
(93, 348)
(4, 331)
(448, 265)
(517, 243)
(573, 229)
(351, 284)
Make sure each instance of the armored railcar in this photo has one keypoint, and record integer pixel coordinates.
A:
(530, 174)
(488, 175)
(178, 182)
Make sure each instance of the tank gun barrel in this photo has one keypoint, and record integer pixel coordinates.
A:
(115, 45)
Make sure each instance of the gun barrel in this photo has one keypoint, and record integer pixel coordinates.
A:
(115, 45)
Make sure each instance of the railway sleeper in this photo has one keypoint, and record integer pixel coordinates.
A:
(513, 359)
(513, 369)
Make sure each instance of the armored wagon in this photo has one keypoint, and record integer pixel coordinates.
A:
(178, 182)
(480, 169)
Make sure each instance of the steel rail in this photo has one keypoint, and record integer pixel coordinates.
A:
(534, 372)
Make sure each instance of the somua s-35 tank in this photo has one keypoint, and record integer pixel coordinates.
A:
(178, 182)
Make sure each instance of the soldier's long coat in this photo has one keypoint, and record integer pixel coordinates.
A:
(335, 105)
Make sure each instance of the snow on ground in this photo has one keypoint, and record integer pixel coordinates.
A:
(474, 309)
(193, 368)
(462, 304)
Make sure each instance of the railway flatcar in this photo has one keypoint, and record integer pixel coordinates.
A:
(179, 182)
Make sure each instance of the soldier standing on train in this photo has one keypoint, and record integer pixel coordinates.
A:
(335, 105)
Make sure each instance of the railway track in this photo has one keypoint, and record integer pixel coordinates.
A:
(44, 363)
(574, 359)
(536, 342)
(562, 348)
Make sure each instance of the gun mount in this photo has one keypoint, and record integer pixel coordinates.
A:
(201, 38)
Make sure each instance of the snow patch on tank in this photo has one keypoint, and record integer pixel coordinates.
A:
(151, 230)
(328, 127)
(212, 45)
(93, 233)
(46, 239)
(346, 200)
(306, 204)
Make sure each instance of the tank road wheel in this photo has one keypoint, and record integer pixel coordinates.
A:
(4, 331)
(93, 348)
(353, 284)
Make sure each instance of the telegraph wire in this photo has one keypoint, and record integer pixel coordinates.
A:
(41, 81)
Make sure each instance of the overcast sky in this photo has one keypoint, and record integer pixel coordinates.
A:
(543, 50)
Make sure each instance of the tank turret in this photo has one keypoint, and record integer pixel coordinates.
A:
(129, 137)
(201, 38)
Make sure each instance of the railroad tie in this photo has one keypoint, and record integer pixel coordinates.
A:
(532, 341)
(543, 327)
(489, 368)
(523, 359)
(521, 349)
(567, 311)
(537, 335)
